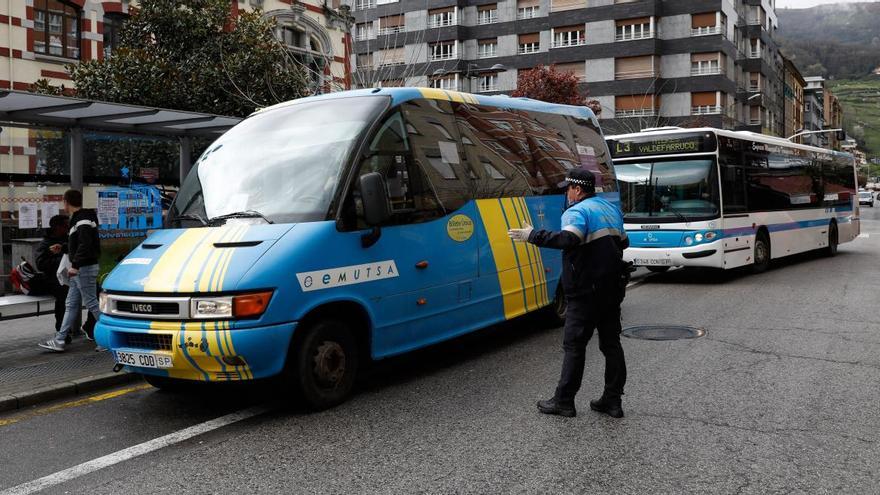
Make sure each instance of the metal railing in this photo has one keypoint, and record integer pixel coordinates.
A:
(706, 110)
(634, 36)
(488, 53)
(754, 53)
(530, 48)
(390, 30)
(441, 22)
(443, 56)
(706, 31)
(486, 88)
(706, 72)
(635, 74)
(487, 19)
(636, 112)
(566, 43)
(528, 13)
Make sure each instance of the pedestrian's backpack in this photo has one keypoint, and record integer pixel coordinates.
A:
(27, 280)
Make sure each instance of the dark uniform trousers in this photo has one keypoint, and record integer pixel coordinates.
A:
(599, 310)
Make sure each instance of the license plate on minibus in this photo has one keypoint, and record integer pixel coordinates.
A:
(143, 360)
(652, 261)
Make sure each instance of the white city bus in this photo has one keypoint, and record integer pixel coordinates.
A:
(724, 199)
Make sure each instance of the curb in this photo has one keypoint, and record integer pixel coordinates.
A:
(64, 390)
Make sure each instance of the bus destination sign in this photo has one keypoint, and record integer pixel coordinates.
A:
(703, 142)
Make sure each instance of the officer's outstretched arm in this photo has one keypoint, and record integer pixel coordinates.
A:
(555, 240)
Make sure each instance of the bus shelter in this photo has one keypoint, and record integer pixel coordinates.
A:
(51, 143)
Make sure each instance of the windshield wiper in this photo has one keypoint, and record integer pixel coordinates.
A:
(190, 216)
(678, 214)
(241, 214)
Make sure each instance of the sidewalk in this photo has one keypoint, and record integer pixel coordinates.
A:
(30, 375)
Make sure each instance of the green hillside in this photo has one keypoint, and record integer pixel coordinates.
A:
(861, 107)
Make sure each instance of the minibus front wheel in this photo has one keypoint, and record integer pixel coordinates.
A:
(323, 363)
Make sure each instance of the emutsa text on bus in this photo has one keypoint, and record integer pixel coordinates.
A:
(726, 199)
(325, 232)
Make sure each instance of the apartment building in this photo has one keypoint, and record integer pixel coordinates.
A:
(39, 37)
(648, 62)
(793, 100)
(831, 111)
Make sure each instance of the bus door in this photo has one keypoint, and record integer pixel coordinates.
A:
(429, 237)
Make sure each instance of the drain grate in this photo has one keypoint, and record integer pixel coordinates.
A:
(663, 332)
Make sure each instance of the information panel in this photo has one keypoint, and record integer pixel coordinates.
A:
(698, 142)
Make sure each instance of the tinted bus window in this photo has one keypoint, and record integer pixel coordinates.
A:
(592, 153)
(550, 154)
(838, 176)
(784, 181)
(437, 149)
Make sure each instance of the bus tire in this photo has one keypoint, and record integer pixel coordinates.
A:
(325, 364)
(554, 314)
(761, 256)
(831, 249)
(658, 269)
(166, 384)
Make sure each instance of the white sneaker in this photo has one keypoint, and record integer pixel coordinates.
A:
(52, 345)
(100, 348)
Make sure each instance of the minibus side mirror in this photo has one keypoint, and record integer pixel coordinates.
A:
(374, 197)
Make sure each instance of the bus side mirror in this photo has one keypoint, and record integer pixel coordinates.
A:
(374, 198)
(841, 135)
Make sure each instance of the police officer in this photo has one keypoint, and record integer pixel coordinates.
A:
(594, 279)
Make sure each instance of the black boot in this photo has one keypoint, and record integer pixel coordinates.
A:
(608, 405)
(552, 406)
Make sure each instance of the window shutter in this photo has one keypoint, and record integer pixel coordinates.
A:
(703, 20)
(442, 10)
(529, 38)
(391, 21)
(634, 102)
(560, 5)
(631, 22)
(576, 68)
(702, 99)
(569, 29)
(487, 41)
(487, 7)
(634, 67)
(704, 57)
(521, 4)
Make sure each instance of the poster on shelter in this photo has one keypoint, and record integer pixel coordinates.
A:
(126, 215)
(27, 216)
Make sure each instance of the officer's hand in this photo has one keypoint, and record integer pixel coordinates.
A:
(521, 235)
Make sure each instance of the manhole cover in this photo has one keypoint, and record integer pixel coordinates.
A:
(663, 332)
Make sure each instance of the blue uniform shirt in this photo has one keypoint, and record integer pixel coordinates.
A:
(592, 219)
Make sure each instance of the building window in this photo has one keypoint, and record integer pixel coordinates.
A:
(488, 83)
(707, 24)
(391, 56)
(487, 48)
(706, 103)
(442, 17)
(636, 67)
(527, 9)
(569, 36)
(364, 31)
(634, 29)
(755, 82)
(707, 64)
(449, 82)
(560, 5)
(576, 68)
(636, 105)
(444, 50)
(529, 43)
(364, 4)
(487, 14)
(365, 61)
(56, 28)
(391, 83)
(112, 29)
(391, 24)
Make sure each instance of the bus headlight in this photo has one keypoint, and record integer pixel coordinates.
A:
(698, 237)
(688, 240)
(240, 306)
(710, 236)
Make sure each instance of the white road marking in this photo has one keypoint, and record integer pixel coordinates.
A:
(132, 452)
(864, 236)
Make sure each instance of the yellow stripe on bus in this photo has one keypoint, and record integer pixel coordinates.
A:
(539, 265)
(535, 267)
(163, 275)
(522, 254)
(503, 254)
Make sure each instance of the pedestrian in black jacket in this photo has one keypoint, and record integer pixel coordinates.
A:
(83, 249)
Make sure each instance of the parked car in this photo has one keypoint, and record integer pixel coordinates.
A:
(866, 198)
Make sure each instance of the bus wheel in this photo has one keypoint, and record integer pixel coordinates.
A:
(762, 253)
(831, 250)
(324, 364)
(658, 269)
(554, 314)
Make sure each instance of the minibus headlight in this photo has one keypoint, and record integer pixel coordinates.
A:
(103, 303)
(710, 236)
(698, 237)
(240, 306)
(688, 240)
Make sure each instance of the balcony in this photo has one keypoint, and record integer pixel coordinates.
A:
(441, 22)
(487, 88)
(390, 30)
(528, 13)
(389, 63)
(443, 56)
(754, 121)
(707, 31)
(754, 21)
(636, 112)
(567, 43)
(714, 71)
(636, 74)
(706, 110)
(634, 36)
(754, 88)
(365, 36)
(754, 53)
(531, 48)
(487, 53)
(488, 19)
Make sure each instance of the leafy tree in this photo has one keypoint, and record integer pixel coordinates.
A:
(193, 55)
(553, 86)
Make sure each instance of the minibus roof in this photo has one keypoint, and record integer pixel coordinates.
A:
(401, 95)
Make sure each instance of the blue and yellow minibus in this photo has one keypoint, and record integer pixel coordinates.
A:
(325, 232)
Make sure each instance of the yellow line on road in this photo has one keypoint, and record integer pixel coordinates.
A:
(74, 403)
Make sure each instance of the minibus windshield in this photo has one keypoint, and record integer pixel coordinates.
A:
(282, 166)
(674, 191)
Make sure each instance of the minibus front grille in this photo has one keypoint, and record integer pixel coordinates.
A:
(151, 341)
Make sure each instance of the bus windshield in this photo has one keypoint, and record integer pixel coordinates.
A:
(283, 166)
(671, 191)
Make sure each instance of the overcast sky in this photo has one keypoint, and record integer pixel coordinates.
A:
(802, 4)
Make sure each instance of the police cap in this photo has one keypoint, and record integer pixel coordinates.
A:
(581, 177)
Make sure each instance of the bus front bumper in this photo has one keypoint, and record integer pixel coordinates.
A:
(710, 254)
(209, 351)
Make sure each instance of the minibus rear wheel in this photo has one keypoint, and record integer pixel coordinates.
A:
(325, 363)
